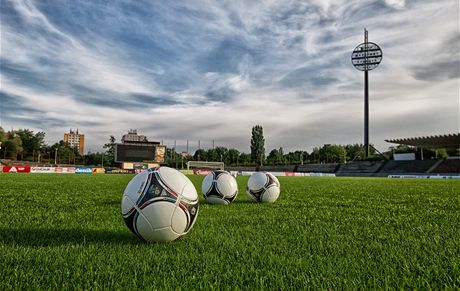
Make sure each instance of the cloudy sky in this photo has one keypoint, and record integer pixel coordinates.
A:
(210, 70)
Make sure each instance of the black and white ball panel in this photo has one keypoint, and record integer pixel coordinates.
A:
(160, 204)
(263, 187)
(219, 187)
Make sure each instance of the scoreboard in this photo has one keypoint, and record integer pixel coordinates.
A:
(139, 153)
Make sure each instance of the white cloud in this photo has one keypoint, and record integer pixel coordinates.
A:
(287, 67)
(398, 4)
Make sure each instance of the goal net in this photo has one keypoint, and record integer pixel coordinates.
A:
(204, 165)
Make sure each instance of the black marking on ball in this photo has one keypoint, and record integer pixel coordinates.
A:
(130, 223)
(191, 211)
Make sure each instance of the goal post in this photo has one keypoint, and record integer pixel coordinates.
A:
(204, 165)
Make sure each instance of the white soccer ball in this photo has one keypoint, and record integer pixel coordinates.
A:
(160, 204)
(219, 187)
(263, 187)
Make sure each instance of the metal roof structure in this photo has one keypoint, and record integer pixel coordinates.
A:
(446, 141)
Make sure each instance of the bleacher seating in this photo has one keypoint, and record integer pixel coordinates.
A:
(317, 168)
(241, 169)
(360, 168)
(279, 168)
(448, 166)
(407, 167)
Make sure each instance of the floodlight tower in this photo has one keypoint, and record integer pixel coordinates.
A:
(366, 57)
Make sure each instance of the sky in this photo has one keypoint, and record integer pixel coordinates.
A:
(210, 70)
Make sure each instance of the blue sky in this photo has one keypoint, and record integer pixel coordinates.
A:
(210, 70)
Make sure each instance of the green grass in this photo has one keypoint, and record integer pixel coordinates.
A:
(65, 232)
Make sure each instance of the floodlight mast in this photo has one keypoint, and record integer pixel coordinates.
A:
(365, 57)
(366, 100)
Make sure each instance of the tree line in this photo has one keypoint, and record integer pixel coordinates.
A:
(26, 145)
(29, 146)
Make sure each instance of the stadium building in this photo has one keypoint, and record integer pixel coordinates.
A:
(132, 136)
(136, 152)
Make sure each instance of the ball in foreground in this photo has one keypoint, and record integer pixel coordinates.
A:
(263, 187)
(160, 204)
(219, 187)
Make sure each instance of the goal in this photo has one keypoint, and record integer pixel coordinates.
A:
(204, 165)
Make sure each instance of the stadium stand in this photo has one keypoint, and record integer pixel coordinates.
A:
(448, 166)
(360, 168)
(241, 169)
(317, 168)
(408, 167)
(280, 168)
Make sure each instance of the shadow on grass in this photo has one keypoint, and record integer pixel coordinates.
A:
(54, 237)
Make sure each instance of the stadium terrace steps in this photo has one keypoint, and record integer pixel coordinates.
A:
(241, 169)
(447, 166)
(318, 168)
(281, 168)
(405, 167)
(360, 168)
(435, 165)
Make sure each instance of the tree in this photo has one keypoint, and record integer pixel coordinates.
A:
(2, 145)
(94, 159)
(12, 146)
(220, 154)
(173, 158)
(355, 152)
(257, 145)
(233, 157)
(200, 155)
(245, 159)
(9, 149)
(32, 143)
(109, 154)
(272, 156)
(211, 155)
(64, 153)
(333, 153)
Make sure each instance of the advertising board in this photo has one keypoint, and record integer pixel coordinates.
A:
(43, 170)
(119, 171)
(160, 153)
(98, 170)
(65, 170)
(128, 166)
(404, 157)
(202, 172)
(16, 169)
(83, 171)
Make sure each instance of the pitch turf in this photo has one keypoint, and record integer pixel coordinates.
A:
(63, 232)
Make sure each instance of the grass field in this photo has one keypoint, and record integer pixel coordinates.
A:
(65, 232)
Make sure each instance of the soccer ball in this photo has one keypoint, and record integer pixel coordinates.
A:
(263, 187)
(219, 187)
(160, 204)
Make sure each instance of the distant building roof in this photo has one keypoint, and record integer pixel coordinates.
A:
(431, 142)
(132, 136)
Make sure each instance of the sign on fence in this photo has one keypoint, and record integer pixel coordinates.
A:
(46, 170)
(119, 171)
(83, 171)
(202, 172)
(16, 169)
(65, 170)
